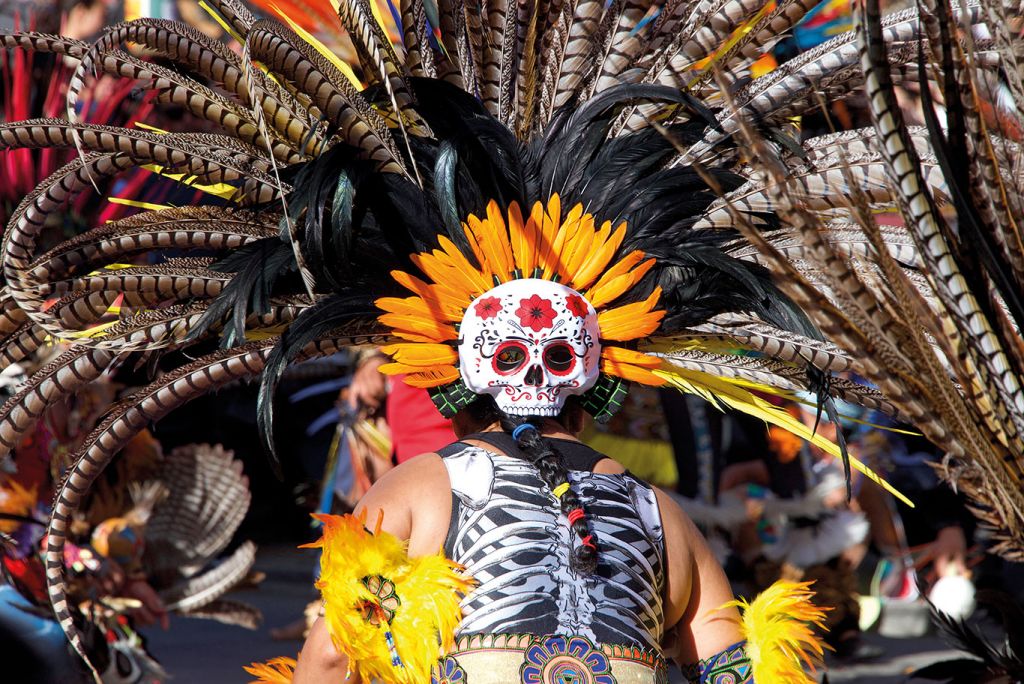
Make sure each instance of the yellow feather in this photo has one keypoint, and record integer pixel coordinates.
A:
(735, 396)
(778, 626)
(139, 205)
(425, 601)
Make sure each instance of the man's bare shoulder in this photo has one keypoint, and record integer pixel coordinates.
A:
(417, 473)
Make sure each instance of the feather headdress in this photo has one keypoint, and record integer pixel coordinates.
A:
(324, 177)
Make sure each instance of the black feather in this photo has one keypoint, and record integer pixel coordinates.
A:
(257, 266)
(320, 321)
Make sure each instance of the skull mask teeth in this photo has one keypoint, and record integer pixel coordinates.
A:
(530, 343)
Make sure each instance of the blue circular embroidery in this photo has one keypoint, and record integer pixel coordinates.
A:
(447, 671)
(565, 660)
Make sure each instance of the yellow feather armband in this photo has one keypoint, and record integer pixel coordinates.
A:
(779, 629)
(391, 615)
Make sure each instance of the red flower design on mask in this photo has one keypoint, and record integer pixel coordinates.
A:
(488, 307)
(577, 305)
(536, 313)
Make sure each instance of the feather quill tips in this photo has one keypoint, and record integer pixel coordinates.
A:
(779, 628)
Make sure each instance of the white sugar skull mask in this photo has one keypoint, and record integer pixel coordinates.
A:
(530, 343)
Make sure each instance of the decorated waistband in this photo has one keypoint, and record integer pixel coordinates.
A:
(552, 659)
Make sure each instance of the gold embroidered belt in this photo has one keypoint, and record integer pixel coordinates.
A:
(552, 659)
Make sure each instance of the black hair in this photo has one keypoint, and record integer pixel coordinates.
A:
(538, 450)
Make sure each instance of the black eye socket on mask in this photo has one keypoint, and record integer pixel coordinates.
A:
(509, 358)
(559, 358)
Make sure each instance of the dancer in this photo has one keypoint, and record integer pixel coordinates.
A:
(614, 148)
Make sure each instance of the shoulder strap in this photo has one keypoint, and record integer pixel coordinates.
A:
(575, 455)
(451, 449)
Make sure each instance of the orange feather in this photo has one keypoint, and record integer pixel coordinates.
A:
(421, 354)
(630, 372)
(419, 325)
(607, 292)
(434, 378)
(522, 242)
(630, 356)
(447, 296)
(579, 246)
(565, 229)
(631, 321)
(498, 239)
(471, 238)
(549, 229)
(600, 256)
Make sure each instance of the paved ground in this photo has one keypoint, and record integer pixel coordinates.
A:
(204, 652)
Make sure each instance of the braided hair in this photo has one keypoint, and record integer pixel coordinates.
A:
(538, 450)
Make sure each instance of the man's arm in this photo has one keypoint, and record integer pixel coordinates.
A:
(697, 587)
(414, 503)
(319, 661)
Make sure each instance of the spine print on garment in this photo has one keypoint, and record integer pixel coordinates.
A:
(513, 540)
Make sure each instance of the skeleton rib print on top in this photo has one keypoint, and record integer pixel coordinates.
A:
(508, 531)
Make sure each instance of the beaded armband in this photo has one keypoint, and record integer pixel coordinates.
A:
(731, 665)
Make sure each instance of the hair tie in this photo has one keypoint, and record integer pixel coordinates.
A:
(575, 514)
(588, 541)
(521, 428)
(560, 490)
